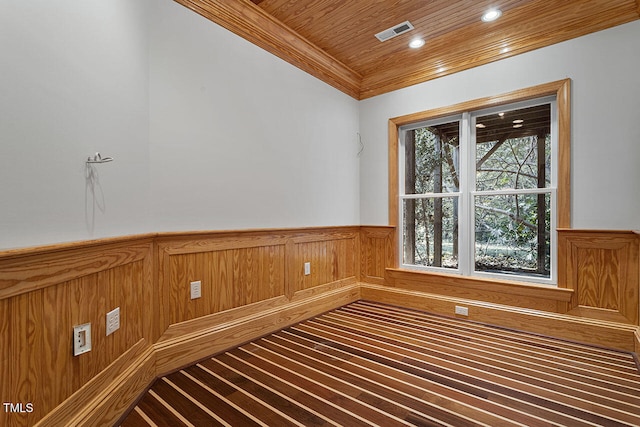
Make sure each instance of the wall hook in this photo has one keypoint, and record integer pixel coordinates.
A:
(97, 158)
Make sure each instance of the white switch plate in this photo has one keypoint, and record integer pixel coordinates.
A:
(307, 268)
(196, 289)
(81, 339)
(462, 311)
(113, 320)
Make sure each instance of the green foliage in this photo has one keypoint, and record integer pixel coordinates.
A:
(506, 225)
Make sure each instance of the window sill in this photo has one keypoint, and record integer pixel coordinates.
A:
(457, 285)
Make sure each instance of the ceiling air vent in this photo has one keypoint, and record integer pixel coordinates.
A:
(396, 30)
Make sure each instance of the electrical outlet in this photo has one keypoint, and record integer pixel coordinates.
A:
(81, 339)
(113, 320)
(307, 268)
(462, 311)
(196, 289)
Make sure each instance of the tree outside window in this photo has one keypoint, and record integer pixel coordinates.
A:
(477, 192)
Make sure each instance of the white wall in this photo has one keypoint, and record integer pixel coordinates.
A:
(207, 130)
(242, 139)
(605, 146)
(73, 81)
(211, 132)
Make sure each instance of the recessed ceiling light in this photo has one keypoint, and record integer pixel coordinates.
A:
(501, 114)
(491, 15)
(518, 121)
(416, 43)
(519, 125)
(481, 126)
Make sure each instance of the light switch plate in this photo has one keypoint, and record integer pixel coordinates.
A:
(307, 268)
(113, 320)
(196, 289)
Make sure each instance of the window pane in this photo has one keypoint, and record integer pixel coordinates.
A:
(513, 234)
(513, 149)
(431, 159)
(431, 232)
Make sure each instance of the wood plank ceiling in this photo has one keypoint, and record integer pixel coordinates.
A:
(334, 40)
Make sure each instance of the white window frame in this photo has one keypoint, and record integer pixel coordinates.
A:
(467, 192)
(403, 196)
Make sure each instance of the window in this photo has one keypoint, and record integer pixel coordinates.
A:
(431, 194)
(478, 191)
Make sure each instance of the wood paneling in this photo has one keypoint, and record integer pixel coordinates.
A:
(377, 253)
(234, 270)
(335, 40)
(53, 265)
(242, 268)
(602, 267)
(45, 293)
(195, 340)
(520, 30)
(332, 258)
(230, 278)
(346, 30)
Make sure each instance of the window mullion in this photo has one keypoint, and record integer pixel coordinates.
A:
(465, 202)
(513, 191)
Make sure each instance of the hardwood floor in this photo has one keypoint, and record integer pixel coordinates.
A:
(371, 364)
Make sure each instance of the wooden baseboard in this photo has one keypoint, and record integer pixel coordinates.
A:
(212, 336)
(103, 400)
(590, 331)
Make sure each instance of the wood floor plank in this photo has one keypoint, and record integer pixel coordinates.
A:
(368, 364)
(269, 414)
(482, 353)
(336, 392)
(488, 365)
(437, 377)
(269, 396)
(207, 398)
(504, 338)
(393, 385)
(314, 395)
(137, 418)
(496, 360)
(451, 372)
(159, 411)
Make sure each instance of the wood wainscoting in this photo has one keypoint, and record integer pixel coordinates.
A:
(44, 292)
(378, 253)
(596, 301)
(603, 270)
(253, 283)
